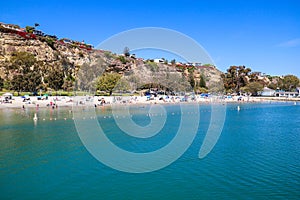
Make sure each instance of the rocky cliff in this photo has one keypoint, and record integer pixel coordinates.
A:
(86, 64)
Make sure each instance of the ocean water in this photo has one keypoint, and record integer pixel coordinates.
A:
(256, 156)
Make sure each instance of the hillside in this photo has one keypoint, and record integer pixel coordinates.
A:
(65, 64)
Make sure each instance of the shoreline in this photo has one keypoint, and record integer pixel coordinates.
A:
(102, 101)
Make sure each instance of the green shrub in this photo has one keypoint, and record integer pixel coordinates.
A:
(153, 66)
(122, 59)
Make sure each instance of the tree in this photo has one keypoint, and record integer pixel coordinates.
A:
(253, 88)
(276, 82)
(192, 80)
(26, 74)
(236, 78)
(122, 85)
(122, 59)
(17, 83)
(29, 29)
(107, 82)
(22, 60)
(241, 77)
(173, 62)
(229, 78)
(55, 78)
(1, 83)
(289, 82)
(202, 82)
(50, 42)
(33, 80)
(126, 52)
(68, 85)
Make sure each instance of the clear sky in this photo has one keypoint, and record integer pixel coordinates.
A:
(261, 34)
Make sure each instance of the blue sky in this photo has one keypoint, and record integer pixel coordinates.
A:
(262, 35)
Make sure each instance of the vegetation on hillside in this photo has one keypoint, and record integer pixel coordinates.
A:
(48, 64)
(107, 82)
(25, 73)
(239, 79)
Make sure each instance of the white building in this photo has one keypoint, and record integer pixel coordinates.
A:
(281, 93)
(267, 92)
(159, 60)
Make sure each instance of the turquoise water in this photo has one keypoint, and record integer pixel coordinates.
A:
(256, 157)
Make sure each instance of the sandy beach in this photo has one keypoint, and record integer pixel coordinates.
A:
(62, 101)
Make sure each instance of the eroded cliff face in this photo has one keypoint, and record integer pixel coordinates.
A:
(10, 43)
(75, 59)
